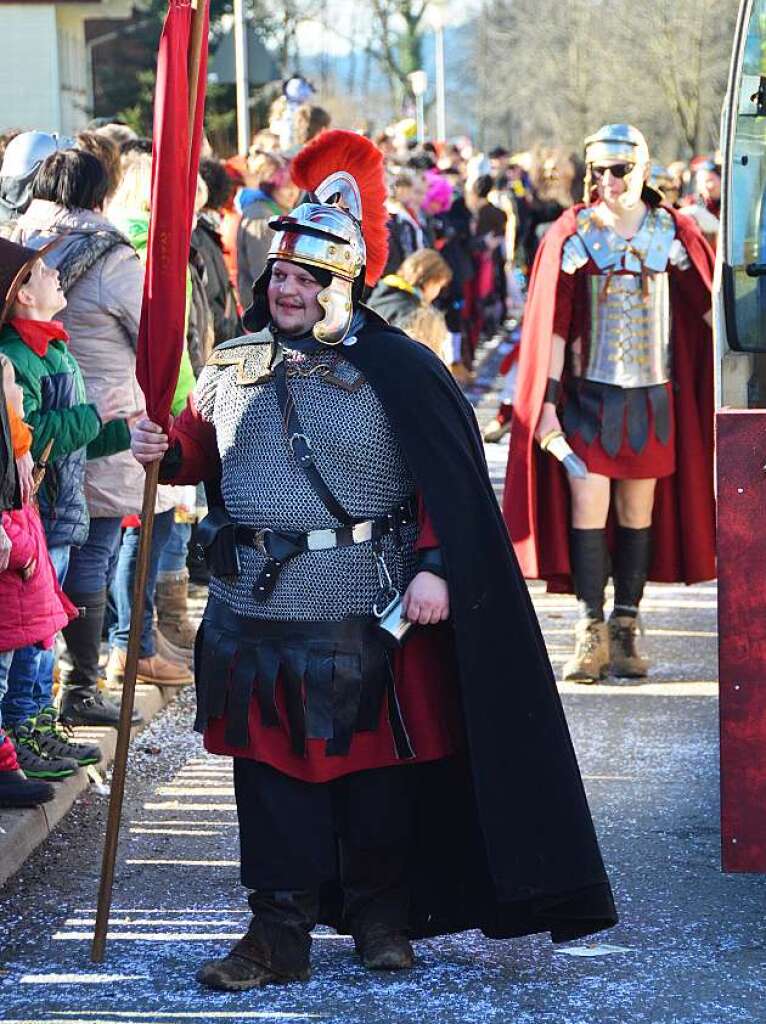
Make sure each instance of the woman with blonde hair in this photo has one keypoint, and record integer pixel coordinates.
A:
(405, 299)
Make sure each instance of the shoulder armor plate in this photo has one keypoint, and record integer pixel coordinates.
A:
(661, 230)
(678, 256)
(252, 354)
(605, 248)
(263, 337)
(574, 255)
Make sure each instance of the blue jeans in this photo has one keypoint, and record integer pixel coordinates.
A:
(173, 558)
(6, 657)
(91, 567)
(30, 679)
(124, 579)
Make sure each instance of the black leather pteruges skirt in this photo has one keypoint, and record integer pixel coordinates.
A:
(334, 677)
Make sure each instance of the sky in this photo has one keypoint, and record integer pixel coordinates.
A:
(345, 18)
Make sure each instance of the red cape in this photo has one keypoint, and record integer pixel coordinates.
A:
(536, 499)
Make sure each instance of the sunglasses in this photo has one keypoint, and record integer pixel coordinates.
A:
(616, 170)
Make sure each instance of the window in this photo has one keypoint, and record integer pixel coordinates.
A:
(745, 275)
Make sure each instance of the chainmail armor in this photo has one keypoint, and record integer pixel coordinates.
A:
(358, 456)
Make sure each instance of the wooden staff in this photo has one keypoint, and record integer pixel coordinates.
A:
(119, 769)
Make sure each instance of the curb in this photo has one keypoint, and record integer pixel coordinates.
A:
(23, 829)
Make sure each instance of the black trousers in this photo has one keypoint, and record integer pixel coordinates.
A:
(357, 831)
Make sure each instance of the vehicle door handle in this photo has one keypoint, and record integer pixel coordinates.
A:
(756, 270)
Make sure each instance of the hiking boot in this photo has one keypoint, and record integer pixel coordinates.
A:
(624, 659)
(590, 661)
(245, 966)
(382, 949)
(172, 600)
(16, 790)
(88, 706)
(496, 430)
(32, 761)
(156, 670)
(56, 740)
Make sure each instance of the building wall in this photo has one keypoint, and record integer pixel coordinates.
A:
(45, 80)
(75, 86)
(29, 69)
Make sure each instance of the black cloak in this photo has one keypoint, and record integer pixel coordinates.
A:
(505, 838)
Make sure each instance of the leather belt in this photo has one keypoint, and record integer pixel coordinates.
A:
(282, 545)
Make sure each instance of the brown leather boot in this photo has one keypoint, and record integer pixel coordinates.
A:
(624, 659)
(170, 652)
(171, 598)
(156, 670)
(247, 965)
(590, 661)
(383, 949)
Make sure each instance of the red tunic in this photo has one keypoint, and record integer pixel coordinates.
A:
(424, 669)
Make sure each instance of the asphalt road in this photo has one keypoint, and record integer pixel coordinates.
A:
(689, 948)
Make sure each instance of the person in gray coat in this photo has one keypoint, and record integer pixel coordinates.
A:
(275, 195)
(102, 277)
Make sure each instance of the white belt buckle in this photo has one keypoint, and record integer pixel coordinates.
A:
(321, 540)
(362, 531)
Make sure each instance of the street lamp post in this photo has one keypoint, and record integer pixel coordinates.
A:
(437, 20)
(419, 85)
(242, 77)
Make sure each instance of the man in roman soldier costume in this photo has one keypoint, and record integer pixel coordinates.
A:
(615, 379)
(395, 774)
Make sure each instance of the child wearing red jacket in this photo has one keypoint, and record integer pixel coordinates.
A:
(34, 608)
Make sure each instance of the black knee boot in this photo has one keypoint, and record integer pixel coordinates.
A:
(589, 557)
(82, 702)
(631, 567)
(276, 947)
(632, 558)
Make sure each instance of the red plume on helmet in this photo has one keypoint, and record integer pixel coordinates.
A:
(339, 150)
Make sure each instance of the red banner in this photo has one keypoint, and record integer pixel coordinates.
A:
(177, 137)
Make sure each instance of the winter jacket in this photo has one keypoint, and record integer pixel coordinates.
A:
(253, 240)
(136, 227)
(199, 318)
(395, 300)
(34, 610)
(102, 317)
(56, 407)
(402, 305)
(206, 239)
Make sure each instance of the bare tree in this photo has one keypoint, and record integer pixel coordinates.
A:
(396, 41)
(687, 53)
(552, 71)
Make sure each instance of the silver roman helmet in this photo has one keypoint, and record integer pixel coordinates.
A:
(340, 229)
(327, 235)
(620, 143)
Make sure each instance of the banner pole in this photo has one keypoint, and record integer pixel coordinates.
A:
(119, 768)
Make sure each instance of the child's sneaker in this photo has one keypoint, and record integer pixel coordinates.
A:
(31, 759)
(56, 740)
(16, 790)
